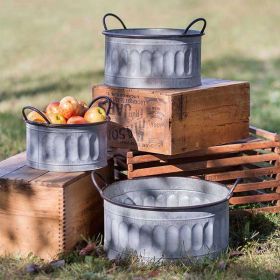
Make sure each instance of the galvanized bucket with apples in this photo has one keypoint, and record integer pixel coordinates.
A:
(68, 136)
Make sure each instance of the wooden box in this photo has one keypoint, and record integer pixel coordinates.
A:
(178, 120)
(255, 160)
(46, 213)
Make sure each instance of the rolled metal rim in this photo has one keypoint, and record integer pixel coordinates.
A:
(163, 208)
(65, 126)
(151, 33)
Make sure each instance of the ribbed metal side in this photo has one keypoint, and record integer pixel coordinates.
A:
(66, 149)
(166, 235)
(175, 217)
(153, 63)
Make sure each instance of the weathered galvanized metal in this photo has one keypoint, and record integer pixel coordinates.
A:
(66, 148)
(165, 218)
(153, 57)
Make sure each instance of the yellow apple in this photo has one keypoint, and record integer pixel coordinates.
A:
(35, 117)
(56, 118)
(95, 114)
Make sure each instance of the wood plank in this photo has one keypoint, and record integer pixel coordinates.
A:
(24, 173)
(13, 163)
(264, 133)
(254, 198)
(242, 174)
(201, 165)
(177, 160)
(223, 149)
(257, 186)
(83, 212)
(25, 199)
(22, 234)
(57, 179)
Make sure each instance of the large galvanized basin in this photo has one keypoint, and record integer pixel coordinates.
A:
(153, 58)
(66, 148)
(165, 218)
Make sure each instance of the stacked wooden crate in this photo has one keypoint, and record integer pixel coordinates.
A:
(46, 213)
(174, 121)
(254, 159)
(201, 132)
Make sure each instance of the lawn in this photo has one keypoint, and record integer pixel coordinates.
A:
(50, 49)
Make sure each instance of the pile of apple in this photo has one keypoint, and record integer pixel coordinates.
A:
(69, 110)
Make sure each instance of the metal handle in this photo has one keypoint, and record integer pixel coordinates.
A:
(93, 178)
(233, 188)
(108, 100)
(195, 21)
(112, 15)
(37, 111)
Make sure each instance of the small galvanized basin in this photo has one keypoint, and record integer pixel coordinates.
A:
(66, 148)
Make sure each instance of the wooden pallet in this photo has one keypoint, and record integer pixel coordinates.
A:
(46, 213)
(255, 160)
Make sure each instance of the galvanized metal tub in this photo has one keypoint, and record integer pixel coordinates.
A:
(66, 148)
(153, 57)
(165, 218)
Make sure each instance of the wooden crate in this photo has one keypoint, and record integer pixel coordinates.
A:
(178, 120)
(255, 160)
(46, 213)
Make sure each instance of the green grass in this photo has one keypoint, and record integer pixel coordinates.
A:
(55, 48)
(254, 253)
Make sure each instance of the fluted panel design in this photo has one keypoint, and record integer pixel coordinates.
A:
(164, 198)
(60, 149)
(165, 238)
(150, 64)
(166, 64)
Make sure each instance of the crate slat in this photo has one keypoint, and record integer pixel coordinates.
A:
(57, 179)
(232, 148)
(264, 133)
(254, 198)
(231, 175)
(201, 165)
(254, 159)
(257, 186)
(24, 173)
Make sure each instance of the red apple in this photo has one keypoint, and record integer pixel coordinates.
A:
(76, 120)
(95, 114)
(82, 108)
(56, 118)
(53, 107)
(35, 117)
(69, 107)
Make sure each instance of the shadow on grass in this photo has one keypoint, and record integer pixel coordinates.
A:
(46, 84)
(247, 227)
(263, 76)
